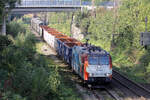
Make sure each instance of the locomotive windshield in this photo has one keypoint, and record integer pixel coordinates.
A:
(93, 60)
(96, 60)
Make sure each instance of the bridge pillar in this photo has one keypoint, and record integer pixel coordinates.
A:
(3, 30)
(45, 18)
(72, 21)
(9, 18)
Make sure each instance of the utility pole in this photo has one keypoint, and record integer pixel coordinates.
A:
(72, 20)
(93, 4)
(115, 15)
(115, 11)
(4, 26)
(3, 31)
(146, 20)
(45, 18)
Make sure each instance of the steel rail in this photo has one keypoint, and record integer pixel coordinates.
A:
(116, 97)
(134, 87)
(96, 94)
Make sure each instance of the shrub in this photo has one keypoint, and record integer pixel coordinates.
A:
(15, 27)
(4, 41)
(12, 96)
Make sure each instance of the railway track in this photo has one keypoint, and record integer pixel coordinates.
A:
(110, 92)
(113, 94)
(97, 95)
(110, 95)
(100, 93)
(132, 86)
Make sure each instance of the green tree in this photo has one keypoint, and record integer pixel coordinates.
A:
(3, 3)
(127, 53)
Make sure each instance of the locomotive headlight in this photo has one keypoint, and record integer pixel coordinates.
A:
(91, 74)
(107, 74)
(98, 66)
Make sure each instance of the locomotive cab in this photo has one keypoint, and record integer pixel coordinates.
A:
(92, 64)
(99, 67)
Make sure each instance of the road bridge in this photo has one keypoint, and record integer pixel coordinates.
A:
(33, 6)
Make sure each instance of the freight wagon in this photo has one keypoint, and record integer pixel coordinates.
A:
(36, 25)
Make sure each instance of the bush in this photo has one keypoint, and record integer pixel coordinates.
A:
(25, 73)
(4, 41)
(11, 96)
(39, 86)
(15, 27)
(54, 80)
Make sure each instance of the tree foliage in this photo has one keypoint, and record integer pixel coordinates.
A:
(25, 73)
(61, 23)
(4, 3)
(127, 23)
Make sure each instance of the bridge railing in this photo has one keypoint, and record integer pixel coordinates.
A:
(86, 3)
(49, 3)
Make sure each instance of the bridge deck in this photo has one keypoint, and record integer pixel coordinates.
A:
(49, 3)
(44, 9)
(30, 6)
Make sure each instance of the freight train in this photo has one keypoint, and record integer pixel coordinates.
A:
(91, 63)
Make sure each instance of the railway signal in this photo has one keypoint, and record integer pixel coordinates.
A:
(145, 36)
